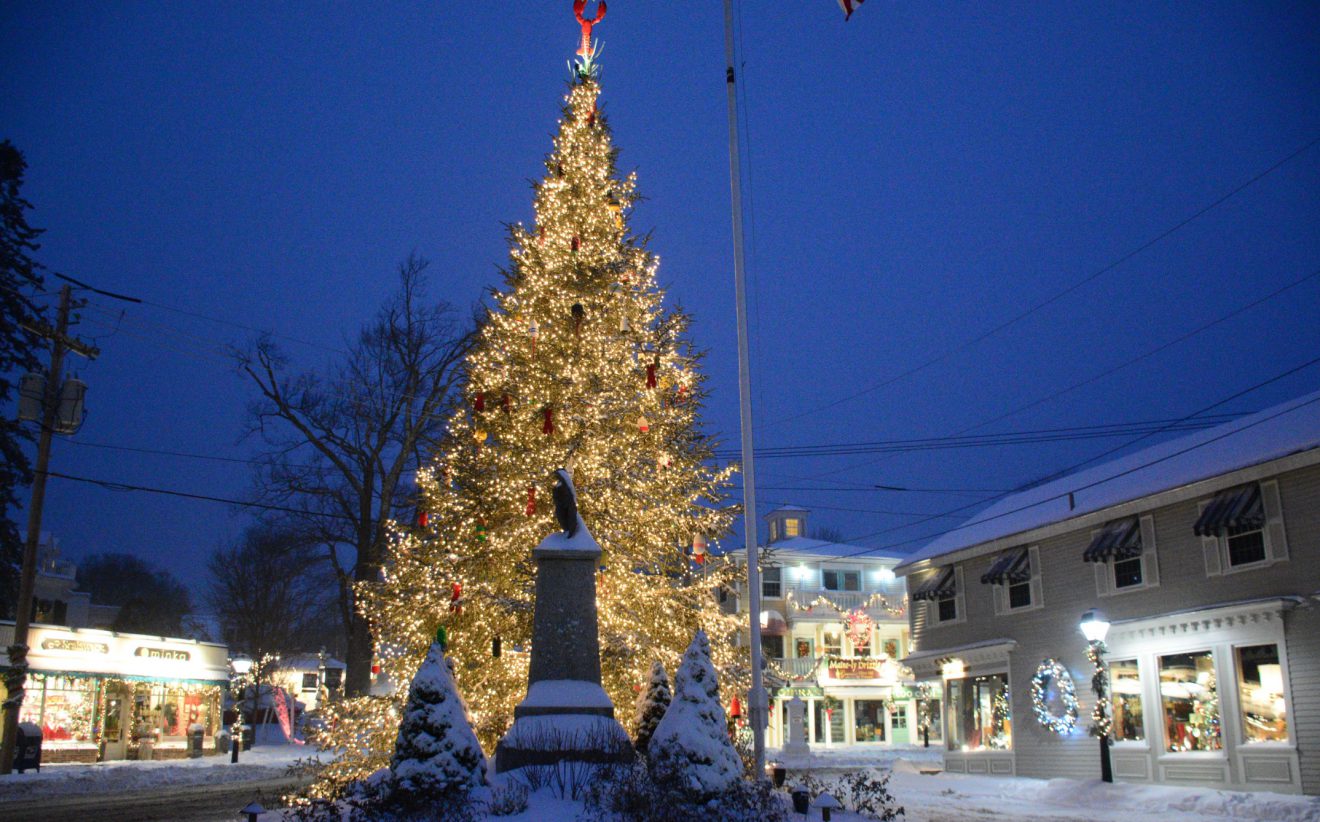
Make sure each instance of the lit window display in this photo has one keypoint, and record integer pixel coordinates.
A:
(1260, 692)
(63, 707)
(832, 642)
(1125, 686)
(1190, 698)
(980, 718)
(869, 720)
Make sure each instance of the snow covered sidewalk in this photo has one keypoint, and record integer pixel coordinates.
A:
(262, 762)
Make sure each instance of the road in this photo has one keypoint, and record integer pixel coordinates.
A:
(194, 803)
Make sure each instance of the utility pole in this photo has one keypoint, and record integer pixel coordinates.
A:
(16, 676)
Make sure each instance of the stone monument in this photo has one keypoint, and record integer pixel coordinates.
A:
(796, 744)
(566, 715)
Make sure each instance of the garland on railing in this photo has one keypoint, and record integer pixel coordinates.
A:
(1102, 723)
(1051, 669)
(874, 601)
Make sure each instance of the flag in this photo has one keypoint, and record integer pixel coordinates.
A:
(849, 6)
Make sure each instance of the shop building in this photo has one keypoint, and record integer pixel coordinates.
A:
(100, 695)
(311, 677)
(1203, 553)
(834, 628)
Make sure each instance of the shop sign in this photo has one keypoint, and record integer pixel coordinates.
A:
(163, 653)
(804, 692)
(856, 668)
(76, 645)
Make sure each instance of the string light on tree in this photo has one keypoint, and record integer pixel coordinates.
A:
(552, 336)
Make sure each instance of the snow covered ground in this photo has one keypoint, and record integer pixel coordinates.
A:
(262, 762)
(926, 797)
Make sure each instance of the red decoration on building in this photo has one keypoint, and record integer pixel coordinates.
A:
(531, 500)
(548, 427)
(479, 402)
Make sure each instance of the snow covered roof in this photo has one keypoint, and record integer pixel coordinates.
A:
(793, 509)
(1288, 428)
(805, 546)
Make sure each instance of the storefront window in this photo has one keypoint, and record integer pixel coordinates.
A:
(1190, 698)
(63, 707)
(832, 642)
(1125, 688)
(772, 646)
(869, 720)
(1260, 689)
(928, 716)
(829, 714)
(979, 715)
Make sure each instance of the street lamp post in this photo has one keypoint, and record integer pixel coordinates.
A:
(241, 665)
(1095, 627)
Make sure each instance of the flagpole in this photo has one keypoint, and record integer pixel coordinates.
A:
(759, 707)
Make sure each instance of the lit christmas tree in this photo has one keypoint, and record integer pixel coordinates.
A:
(576, 364)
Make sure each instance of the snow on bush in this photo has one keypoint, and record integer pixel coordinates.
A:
(691, 744)
(652, 703)
(437, 754)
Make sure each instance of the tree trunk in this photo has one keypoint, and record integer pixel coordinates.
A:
(357, 681)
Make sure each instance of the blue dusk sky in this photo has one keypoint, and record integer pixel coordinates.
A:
(917, 180)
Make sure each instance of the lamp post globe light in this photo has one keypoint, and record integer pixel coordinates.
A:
(240, 665)
(1095, 628)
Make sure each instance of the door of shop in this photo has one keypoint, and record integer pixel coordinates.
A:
(898, 725)
(114, 732)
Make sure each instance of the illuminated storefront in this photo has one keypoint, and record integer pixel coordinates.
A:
(100, 695)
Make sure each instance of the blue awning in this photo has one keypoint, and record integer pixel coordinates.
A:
(1012, 566)
(1118, 540)
(1232, 510)
(939, 585)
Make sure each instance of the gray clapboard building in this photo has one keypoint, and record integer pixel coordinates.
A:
(1203, 553)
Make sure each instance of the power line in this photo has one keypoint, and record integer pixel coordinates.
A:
(1115, 369)
(1060, 294)
(1074, 467)
(982, 440)
(121, 486)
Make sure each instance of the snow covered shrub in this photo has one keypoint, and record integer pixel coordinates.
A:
(690, 748)
(652, 703)
(436, 756)
(629, 793)
(865, 792)
(508, 799)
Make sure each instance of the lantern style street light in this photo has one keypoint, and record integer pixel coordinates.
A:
(1095, 628)
(241, 664)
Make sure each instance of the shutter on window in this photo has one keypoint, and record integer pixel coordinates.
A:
(1210, 550)
(961, 597)
(1101, 570)
(1150, 562)
(1037, 597)
(1276, 539)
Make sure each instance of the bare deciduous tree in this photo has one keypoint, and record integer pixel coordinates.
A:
(342, 445)
(269, 592)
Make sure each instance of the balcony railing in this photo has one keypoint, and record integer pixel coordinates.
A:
(890, 602)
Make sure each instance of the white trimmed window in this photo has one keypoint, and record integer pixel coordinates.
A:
(1125, 556)
(1016, 581)
(1242, 529)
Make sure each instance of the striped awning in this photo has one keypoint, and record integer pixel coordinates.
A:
(940, 585)
(1012, 566)
(1234, 509)
(1118, 540)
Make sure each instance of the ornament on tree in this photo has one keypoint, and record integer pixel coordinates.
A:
(495, 646)
(480, 435)
(643, 424)
(577, 242)
(533, 332)
(624, 325)
(423, 519)
(579, 314)
(540, 236)
(650, 375)
(456, 598)
(481, 530)
(681, 396)
(530, 510)
(548, 426)
(663, 459)
(507, 403)
(479, 402)
(699, 547)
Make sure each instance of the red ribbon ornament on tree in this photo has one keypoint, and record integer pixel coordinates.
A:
(531, 500)
(479, 402)
(650, 376)
(507, 403)
(456, 598)
(548, 427)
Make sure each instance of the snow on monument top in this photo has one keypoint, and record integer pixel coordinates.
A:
(574, 537)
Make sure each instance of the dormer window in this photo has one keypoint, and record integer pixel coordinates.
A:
(792, 527)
